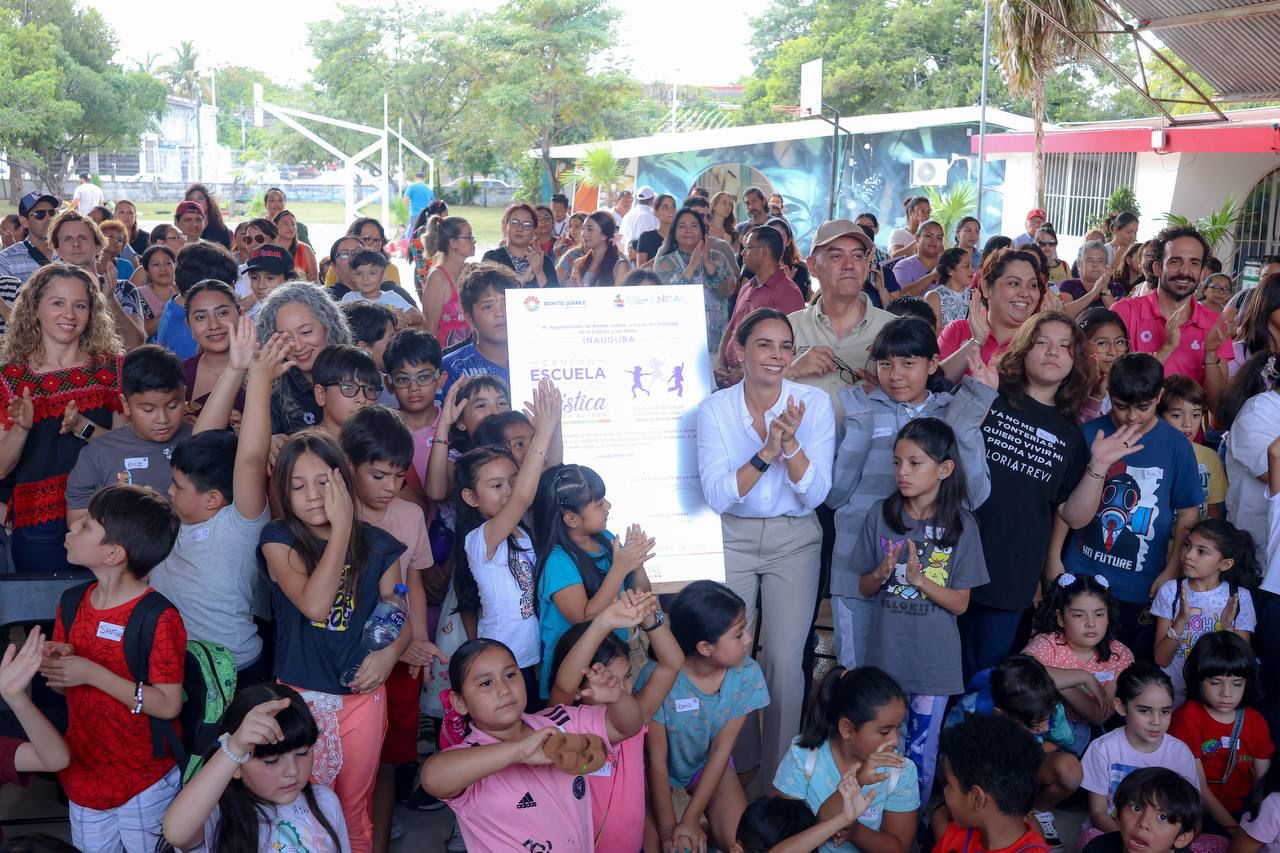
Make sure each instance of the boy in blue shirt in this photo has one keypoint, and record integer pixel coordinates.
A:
(1150, 499)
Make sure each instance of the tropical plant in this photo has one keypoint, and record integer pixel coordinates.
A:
(598, 170)
(1215, 226)
(951, 205)
(183, 74)
(1030, 47)
(1123, 200)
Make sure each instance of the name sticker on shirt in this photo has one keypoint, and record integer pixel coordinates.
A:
(690, 704)
(1104, 676)
(606, 769)
(134, 463)
(881, 432)
(107, 631)
(200, 534)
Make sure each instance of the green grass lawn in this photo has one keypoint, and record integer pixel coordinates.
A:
(485, 221)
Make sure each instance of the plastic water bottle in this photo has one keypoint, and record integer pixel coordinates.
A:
(383, 626)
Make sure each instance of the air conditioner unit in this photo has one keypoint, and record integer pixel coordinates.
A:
(929, 172)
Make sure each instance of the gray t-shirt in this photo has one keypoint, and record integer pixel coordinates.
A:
(212, 577)
(122, 450)
(913, 639)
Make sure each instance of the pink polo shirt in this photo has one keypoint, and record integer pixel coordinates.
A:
(531, 808)
(617, 797)
(956, 333)
(1145, 323)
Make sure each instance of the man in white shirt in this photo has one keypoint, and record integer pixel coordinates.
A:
(640, 218)
(87, 196)
(621, 207)
(559, 214)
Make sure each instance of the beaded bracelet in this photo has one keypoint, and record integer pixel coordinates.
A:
(137, 699)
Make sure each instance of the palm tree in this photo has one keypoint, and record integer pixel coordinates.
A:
(1030, 46)
(183, 74)
(598, 170)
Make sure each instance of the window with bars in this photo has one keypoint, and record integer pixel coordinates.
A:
(1078, 185)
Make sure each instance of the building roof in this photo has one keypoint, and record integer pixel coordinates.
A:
(1231, 43)
(728, 137)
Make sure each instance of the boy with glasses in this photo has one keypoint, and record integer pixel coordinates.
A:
(346, 380)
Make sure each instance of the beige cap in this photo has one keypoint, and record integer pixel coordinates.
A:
(829, 231)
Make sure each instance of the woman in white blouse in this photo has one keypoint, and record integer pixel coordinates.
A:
(765, 451)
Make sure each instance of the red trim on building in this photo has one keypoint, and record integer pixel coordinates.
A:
(1252, 139)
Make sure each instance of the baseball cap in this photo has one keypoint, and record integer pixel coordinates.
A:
(1036, 212)
(829, 231)
(272, 259)
(644, 194)
(33, 198)
(188, 207)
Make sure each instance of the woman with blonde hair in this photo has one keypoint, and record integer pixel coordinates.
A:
(722, 222)
(59, 389)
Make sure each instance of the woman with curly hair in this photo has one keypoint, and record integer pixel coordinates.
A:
(1036, 457)
(306, 314)
(59, 390)
(1011, 287)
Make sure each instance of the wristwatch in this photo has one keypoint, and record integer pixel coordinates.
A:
(758, 463)
(86, 431)
(659, 620)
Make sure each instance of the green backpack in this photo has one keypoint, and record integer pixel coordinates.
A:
(208, 679)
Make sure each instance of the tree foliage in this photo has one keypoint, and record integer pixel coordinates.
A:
(62, 92)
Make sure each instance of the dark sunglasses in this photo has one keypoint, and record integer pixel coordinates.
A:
(1045, 244)
(256, 238)
(40, 214)
(350, 389)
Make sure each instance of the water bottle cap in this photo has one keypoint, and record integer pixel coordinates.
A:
(401, 589)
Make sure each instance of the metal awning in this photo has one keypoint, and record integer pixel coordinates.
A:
(1230, 43)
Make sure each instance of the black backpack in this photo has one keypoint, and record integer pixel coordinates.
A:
(198, 686)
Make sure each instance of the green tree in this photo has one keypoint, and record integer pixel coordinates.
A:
(183, 74)
(75, 96)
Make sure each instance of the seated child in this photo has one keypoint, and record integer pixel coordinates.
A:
(782, 825)
(254, 791)
(1144, 697)
(346, 380)
(154, 395)
(118, 786)
(1260, 823)
(1158, 812)
(368, 269)
(372, 326)
(990, 765)
(1219, 723)
(44, 751)
(219, 491)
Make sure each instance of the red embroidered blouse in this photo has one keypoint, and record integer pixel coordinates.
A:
(36, 488)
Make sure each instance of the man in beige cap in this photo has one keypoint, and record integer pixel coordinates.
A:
(834, 334)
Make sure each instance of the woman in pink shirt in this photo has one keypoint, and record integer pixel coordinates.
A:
(1011, 289)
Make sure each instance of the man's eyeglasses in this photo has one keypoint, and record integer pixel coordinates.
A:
(845, 372)
(40, 214)
(421, 380)
(255, 238)
(351, 389)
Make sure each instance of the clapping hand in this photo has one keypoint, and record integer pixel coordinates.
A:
(626, 611)
(22, 412)
(981, 371)
(18, 667)
(70, 418)
(545, 407)
(636, 551)
(979, 319)
(885, 570)
(915, 574)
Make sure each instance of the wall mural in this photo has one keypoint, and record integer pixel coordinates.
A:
(877, 180)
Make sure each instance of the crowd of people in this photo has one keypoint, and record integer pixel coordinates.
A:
(1038, 491)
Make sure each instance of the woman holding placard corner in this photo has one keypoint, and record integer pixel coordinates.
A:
(765, 451)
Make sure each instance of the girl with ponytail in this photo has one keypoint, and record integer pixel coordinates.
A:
(450, 242)
(853, 721)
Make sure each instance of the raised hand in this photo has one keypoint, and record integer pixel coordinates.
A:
(546, 406)
(1183, 618)
(337, 502)
(603, 685)
(1230, 612)
(1106, 450)
(258, 728)
(624, 611)
(452, 408)
(915, 574)
(275, 357)
(885, 570)
(244, 343)
(1220, 331)
(979, 321)
(21, 411)
(981, 371)
(18, 667)
(636, 551)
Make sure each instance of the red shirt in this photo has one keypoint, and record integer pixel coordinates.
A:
(1210, 742)
(1146, 325)
(960, 839)
(777, 291)
(111, 753)
(957, 333)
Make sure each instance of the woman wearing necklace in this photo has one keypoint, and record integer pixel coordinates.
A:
(519, 252)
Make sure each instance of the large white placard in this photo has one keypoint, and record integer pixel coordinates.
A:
(632, 366)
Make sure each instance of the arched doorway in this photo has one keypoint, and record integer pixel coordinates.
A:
(1258, 228)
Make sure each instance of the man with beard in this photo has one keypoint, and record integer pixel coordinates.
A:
(1169, 322)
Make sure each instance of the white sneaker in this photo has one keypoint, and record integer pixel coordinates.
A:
(1048, 829)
